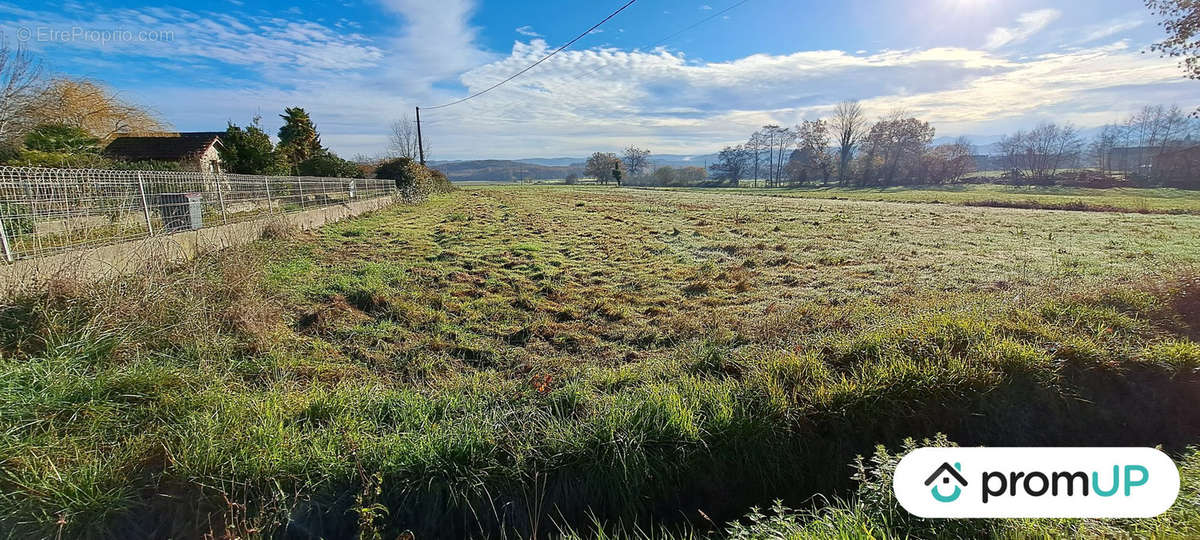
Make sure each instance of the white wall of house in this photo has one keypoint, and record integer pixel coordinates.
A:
(209, 161)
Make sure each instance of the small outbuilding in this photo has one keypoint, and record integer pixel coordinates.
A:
(194, 151)
(1179, 168)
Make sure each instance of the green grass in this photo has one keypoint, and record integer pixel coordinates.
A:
(538, 360)
(1128, 200)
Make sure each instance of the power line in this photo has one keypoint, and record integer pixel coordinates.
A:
(535, 64)
(674, 35)
(698, 23)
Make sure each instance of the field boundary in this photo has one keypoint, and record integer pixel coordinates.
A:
(1071, 203)
(129, 257)
(45, 212)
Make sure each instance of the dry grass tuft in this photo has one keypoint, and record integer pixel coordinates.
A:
(281, 229)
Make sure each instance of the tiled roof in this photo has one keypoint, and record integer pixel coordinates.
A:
(164, 147)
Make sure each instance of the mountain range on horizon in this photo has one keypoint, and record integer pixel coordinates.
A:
(552, 168)
(984, 145)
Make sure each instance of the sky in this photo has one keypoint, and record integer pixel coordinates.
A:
(977, 68)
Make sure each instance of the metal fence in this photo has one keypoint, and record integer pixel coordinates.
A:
(48, 211)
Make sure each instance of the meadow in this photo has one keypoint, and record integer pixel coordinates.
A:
(524, 361)
(1128, 200)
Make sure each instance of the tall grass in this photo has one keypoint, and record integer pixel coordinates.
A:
(233, 397)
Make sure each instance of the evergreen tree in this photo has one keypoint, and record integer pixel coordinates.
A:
(298, 137)
(249, 151)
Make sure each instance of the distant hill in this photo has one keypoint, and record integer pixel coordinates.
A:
(500, 170)
(659, 160)
(504, 170)
(555, 162)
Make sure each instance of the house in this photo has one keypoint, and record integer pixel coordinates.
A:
(1179, 168)
(195, 151)
(988, 162)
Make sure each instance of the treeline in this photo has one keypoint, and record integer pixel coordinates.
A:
(1156, 146)
(249, 150)
(59, 121)
(62, 121)
(847, 150)
(634, 167)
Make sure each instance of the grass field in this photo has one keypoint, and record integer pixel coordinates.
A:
(533, 361)
(1130, 200)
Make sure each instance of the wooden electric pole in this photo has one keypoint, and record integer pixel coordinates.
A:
(420, 142)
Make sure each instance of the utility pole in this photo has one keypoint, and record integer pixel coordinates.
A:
(420, 142)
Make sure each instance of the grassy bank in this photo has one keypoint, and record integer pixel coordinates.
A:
(521, 360)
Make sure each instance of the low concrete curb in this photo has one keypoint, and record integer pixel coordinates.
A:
(107, 261)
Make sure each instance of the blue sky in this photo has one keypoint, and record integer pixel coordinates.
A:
(971, 67)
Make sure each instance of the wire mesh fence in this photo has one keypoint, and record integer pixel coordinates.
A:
(48, 211)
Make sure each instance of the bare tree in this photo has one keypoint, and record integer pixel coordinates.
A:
(20, 84)
(778, 141)
(754, 147)
(1041, 152)
(896, 144)
(601, 166)
(770, 133)
(849, 123)
(403, 140)
(637, 161)
(812, 152)
(948, 162)
(1104, 146)
(733, 162)
(786, 139)
(91, 106)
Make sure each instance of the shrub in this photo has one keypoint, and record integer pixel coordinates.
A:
(404, 171)
(61, 138)
(329, 165)
(62, 160)
(441, 183)
(415, 181)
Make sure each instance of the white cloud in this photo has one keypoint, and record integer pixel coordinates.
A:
(597, 99)
(1028, 24)
(437, 41)
(1109, 29)
(527, 31)
(705, 7)
(605, 99)
(268, 44)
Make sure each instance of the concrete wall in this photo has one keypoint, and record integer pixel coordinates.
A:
(129, 257)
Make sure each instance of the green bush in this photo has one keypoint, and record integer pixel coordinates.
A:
(415, 181)
(61, 138)
(61, 160)
(329, 165)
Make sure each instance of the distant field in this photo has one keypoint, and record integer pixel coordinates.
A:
(1124, 199)
(546, 359)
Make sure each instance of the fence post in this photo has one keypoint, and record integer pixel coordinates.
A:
(270, 205)
(33, 209)
(221, 200)
(300, 188)
(8, 256)
(145, 205)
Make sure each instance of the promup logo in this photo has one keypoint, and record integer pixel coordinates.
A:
(946, 473)
(1036, 482)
